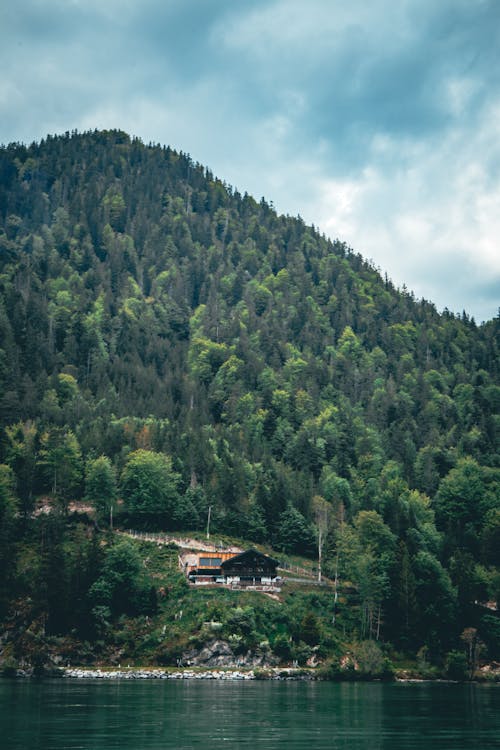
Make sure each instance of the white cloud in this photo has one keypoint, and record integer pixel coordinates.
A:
(433, 222)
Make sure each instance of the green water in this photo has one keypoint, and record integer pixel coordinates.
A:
(156, 715)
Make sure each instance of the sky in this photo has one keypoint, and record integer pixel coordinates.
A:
(378, 121)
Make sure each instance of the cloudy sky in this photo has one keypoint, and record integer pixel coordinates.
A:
(376, 120)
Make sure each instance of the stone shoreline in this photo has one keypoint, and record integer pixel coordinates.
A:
(228, 675)
(185, 674)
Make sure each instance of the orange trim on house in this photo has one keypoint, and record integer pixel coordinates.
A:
(211, 560)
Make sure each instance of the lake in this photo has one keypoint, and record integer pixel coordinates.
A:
(157, 715)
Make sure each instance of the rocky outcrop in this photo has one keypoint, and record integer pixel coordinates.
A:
(218, 653)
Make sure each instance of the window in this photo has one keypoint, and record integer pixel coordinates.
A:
(210, 562)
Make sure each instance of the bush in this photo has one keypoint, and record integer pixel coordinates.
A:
(456, 665)
(241, 620)
(262, 674)
(310, 629)
(371, 661)
(330, 670)
(9, 668)
(301, 652)
(282, 647)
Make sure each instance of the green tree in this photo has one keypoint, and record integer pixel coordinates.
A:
(310, 631)
(52, 592)
(372, 569)
(60, 460)
(456, 665)
(474, 647)
(122, 588)
(405, 594)
(323, 515)
(7, 529)
(436, 597)
(295, 535)
(22, 443)
(149, 488)
(462, 501)
(100, 486)
(371, 660)
(490, 538)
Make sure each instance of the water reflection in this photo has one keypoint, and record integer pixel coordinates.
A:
(159, 715)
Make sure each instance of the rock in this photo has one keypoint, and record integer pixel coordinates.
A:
(272, 673)
(215, 653)
(218, 653)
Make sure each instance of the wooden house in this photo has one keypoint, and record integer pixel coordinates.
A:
(245, 568)
(249, 567)
(205, 567)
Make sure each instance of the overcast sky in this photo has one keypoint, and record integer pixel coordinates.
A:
(376, 120)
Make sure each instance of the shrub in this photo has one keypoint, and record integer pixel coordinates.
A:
(456, 665)
(282, 647)
(371, 662)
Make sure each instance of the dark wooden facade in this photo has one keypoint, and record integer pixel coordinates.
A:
(250, 565)
(247, 568)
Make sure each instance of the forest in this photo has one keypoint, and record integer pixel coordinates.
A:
(169, 345)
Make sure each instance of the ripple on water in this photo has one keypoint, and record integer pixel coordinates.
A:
(189, 714)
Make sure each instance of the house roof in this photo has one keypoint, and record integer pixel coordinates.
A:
(250, 553)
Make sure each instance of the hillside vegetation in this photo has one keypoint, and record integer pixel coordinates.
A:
(168, 345)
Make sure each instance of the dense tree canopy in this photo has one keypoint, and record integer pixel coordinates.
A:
(149, 487)
(160, 327)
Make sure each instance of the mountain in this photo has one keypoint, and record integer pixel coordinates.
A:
(169, 341)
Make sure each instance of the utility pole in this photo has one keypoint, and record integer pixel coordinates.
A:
(208, 521)
(320, 551)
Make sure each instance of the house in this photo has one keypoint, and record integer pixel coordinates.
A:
(205, 567)
(250, 567)
(247, 568)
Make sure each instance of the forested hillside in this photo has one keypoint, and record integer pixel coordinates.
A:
(168, 344)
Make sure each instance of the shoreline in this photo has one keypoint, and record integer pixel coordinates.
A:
(280, 674)
(163, 673)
